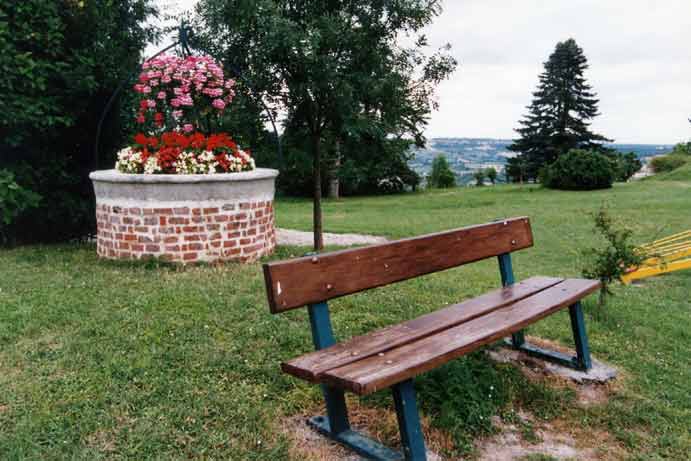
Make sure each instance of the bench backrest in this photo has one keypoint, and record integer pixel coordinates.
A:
(313, 279)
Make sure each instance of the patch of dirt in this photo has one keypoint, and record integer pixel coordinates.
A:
(103, 441)
(378, 423)
(559, 440)
(301, 238)
(4, 408)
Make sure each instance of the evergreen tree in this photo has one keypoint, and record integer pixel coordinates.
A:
(558, 118)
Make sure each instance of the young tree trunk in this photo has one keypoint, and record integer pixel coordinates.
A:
(317, 179)
(334, 184)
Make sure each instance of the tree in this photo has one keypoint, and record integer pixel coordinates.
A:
(558, 118)
(61, 60)
(441, 175)
(491, 174)
(335, 67)
(479, 177)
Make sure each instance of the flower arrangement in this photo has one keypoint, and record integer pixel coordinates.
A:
(180, 98)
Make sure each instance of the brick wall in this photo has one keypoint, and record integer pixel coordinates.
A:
(242, 231)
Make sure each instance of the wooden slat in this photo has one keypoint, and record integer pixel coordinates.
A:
(381, 371)
(310, 366)
(295, 283)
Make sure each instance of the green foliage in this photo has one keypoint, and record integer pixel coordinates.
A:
(336, 68)
(608, 263)
(61, 60)
(625, 165)
(682, 148)
(479, 177)
(558, 117)
(579, 170)
(14, 199)
(665, 163)
(441, 176)
(491, 174)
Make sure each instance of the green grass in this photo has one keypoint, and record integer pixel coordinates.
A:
(103, 360)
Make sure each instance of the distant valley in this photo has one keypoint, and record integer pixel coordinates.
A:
(466, 155)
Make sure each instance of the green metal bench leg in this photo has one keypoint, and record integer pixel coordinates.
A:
(580, 337)
(582, 359)
(335, 424)
(507, 278)
(412, 439)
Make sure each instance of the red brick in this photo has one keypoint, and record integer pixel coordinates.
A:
(130, 237)
(230, 243)
(153, 248)
(171, 239)
(213, 227)
(196, 246)
(196, 211)
(183, 210)
(172, 247)
(166, 211)
(245, 241)
(141, 229)
(137, 247)
(162, 221)
(212, 210)
(192, 238)
(150, 221)
(189, 256)
(192, 229)
(245, 206)
(221, 218)
(176, 220)
(135, 211)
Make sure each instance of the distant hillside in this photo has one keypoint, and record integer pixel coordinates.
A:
(465, 155)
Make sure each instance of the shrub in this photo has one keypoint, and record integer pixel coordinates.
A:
(479, 177)
(491, 174)
(441, 175)
(667, 162)
(608, 263)
(61, 62)
(14, 199)
(625, 165)
(579, 170)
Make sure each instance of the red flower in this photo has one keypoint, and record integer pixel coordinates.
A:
(141, 139)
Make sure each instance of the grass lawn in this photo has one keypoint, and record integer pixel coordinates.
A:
(104, 360)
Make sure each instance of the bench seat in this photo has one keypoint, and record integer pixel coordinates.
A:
(385, 357)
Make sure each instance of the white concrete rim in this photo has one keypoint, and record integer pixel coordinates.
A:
(114, 176)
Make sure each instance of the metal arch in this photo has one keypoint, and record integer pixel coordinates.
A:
(184, 33)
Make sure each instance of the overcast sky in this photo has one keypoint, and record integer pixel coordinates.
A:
(639, 53)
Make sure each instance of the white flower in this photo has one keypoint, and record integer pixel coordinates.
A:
(151, 166)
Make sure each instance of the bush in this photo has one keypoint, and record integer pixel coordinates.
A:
(625, 165)
(14, 199)
(491, 174)
(670, 162)
(441, 176)
(607, 264)
(61, 62)
(579, 170)
(479, 177)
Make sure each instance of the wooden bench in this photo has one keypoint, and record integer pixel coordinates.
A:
(393, 356)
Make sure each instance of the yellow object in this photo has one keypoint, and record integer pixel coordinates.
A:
(669, 254)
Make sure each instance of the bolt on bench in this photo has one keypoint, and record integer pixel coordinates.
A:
(393, 356)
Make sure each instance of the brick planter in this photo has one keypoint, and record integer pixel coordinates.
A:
(185, 218)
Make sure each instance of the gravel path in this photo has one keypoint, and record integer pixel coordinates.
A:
(300, 238)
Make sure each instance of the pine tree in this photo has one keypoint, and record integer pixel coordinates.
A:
(559, 116)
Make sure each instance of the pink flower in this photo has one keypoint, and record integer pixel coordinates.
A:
(140, 118)
(166, 79)
(187, 127)
(151, 103)
(146, 90)
(230, 83)
(175, 102)
(218, 104)
(161, 95)
(139, 88)
(177, 113)
(177, 91)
